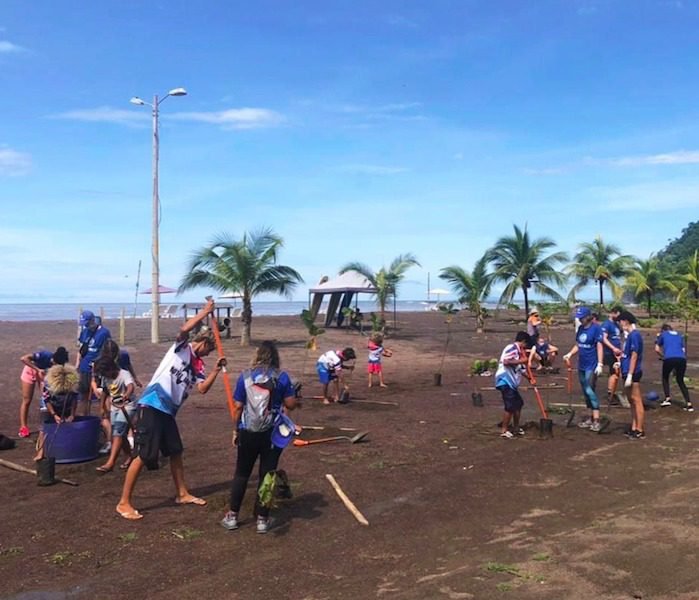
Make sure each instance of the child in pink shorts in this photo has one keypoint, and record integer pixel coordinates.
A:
(376, 352)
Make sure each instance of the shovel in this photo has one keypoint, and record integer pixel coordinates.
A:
(569, 387)
(353, 440)
(545, 424)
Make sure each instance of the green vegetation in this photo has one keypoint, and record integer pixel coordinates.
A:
(385, 281)
(681, 248)
(248, 267)
(471, 289)
(522, 264)
(187, 533)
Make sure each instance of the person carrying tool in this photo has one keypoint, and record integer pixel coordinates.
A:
(588, 346)
(376, 352)
(262, 394)
(611, 342)
(180, 369)
(329, 368)
(116, 386)
(59, 399)
(669, 345)
(632, 372)
(511, 366)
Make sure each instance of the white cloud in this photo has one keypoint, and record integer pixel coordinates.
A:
(662, 196)
(681, 157)
(233, 118)
(106, 114)
(9, 48)
(372, 170)
(13, 163)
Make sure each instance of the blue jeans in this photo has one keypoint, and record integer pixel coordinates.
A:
(588, 380)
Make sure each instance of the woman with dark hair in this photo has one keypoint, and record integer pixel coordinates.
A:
(632, 373)
(669, 345)
(35, 366)
(262, 394)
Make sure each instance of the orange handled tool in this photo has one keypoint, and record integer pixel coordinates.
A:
(532, 380)
(226, 378)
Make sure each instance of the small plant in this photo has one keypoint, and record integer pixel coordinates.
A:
(313, 330)
(503, 587)
(187, 533)
(12, 551)
(127, 538)
(378, 324)
(495, 567)
(61, 559)
(541, 557)
(484, 367)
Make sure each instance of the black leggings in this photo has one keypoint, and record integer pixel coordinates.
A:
(251, 445)
(679, 366)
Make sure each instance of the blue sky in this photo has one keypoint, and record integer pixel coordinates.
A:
(357, 131)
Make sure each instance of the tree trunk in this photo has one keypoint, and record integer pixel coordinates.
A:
(246, 322)
(601, 293)
(526, 302)
(650, 299)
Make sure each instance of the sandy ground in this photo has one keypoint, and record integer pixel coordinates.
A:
(455, 512)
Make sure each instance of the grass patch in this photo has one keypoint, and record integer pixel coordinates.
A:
(12, 551)
(187, 533)
(61, 559)
(127, 538)
(541, 557)
(504, 587)
(496, 567)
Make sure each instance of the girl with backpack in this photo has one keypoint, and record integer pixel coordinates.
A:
(262, 394)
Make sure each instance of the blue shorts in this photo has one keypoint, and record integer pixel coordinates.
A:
(324, 375)
(511, 399)
(120, 425)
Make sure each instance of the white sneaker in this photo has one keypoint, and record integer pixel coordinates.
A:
(106, 449)
(666, 402)
(508, 435)
(263, 525)
(230, 521)
(586, 424)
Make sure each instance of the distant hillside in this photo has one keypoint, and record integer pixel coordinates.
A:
(678, 250)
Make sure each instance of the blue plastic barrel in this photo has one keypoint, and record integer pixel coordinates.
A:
(73, 442)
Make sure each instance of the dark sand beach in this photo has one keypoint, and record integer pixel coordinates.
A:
(454, 511)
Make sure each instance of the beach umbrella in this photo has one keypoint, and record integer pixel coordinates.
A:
(162, 289)
(231, 296)
(438, 292)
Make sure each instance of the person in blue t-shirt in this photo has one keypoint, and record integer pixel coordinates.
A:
(35, 366)
(632, 372)
(611, 342)
(670, 347)
(588, 346)
(253, 433)
(90, 341)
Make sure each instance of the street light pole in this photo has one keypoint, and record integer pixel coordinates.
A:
(155, 217)
(155, 248)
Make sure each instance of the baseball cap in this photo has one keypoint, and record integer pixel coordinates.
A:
(582, 311)
(86, 316)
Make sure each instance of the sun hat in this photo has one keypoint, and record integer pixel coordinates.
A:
(533, 311)
(86, 316)
(283, 432)
(582, 311)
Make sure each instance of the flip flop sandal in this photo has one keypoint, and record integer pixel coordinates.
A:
(104, 470)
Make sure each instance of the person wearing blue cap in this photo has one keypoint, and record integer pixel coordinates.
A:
(588, 346)
(262, 394)
(90, 341)
(632, 372)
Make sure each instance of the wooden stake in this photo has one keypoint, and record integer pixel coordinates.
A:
(23, 469)
(346, 501)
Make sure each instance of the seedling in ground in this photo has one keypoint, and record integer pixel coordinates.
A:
(495, 567)
(61, 559)
(541, 557)
(187, 533)
(127, 538)
(12, 551)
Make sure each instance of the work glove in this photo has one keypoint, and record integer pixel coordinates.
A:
(598, 369)
(566, 357)
(629, 381)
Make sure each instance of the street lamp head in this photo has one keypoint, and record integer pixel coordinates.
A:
(137, 100)
(177, 92)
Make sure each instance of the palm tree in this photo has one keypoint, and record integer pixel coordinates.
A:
(646, 278)
(472, 288)
(688, 282)
(522, 264)
(248, 267)
(599, 262)
(385, 281)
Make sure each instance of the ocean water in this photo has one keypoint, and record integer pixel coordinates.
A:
(70, 312)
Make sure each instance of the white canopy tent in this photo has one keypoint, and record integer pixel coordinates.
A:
(341, 289)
